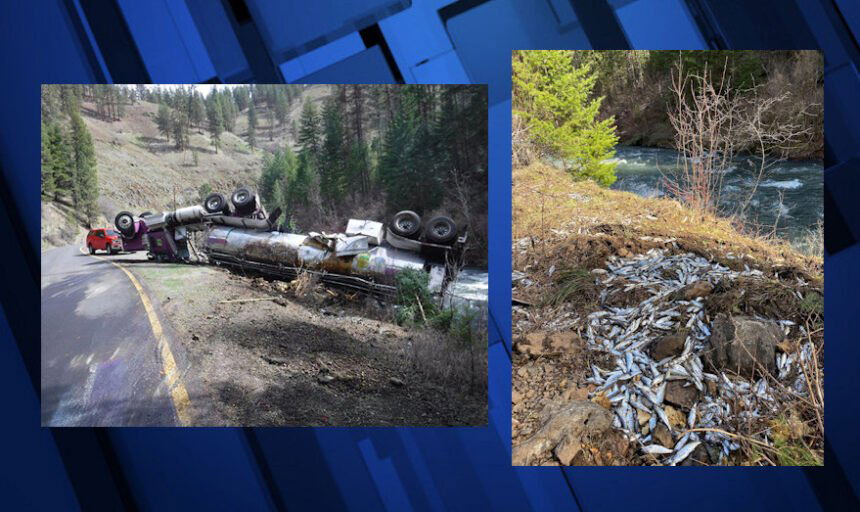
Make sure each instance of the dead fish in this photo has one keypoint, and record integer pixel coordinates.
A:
(683, 453)
(656, 449)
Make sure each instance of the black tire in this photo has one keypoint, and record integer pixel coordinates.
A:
(109, 250)
(91, 249)
(145, 214)
(124, 222)
(243, 200)
(215, 203)
(406, 224)
(440, 230)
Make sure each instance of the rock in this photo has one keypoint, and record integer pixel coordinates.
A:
(531, 344)
(522, 372)
(642, 417)
(695, 290)
(396, 382)
(575, 393)
(541, 342)
(195, 337)
(567, 450)
(564, 431)
(516, 397)
(668, 346)
(677, 419)
(682, 396)
(325, 378)
(280, 301)
(599, 271)
(565, 342)
(602, 400)
(743, 345)
(662, 436)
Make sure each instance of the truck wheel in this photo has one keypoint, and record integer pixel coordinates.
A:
(215, 203)
(440, 230)
(243, 199)
(406, 224)
(109, 250)
(124, 222)
(91, 249)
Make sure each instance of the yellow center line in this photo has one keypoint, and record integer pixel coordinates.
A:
(178, 393)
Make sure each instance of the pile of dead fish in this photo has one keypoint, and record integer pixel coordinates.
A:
(636, 385)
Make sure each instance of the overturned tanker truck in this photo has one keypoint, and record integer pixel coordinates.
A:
(240, 234)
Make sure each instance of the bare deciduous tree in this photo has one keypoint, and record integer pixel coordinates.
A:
(713, 122)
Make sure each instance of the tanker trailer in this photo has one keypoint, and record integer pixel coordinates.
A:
(362, 262)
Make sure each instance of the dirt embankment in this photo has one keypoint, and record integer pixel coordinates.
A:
(588, 260)
(271, 353)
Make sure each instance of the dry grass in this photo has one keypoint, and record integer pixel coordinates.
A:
(549, 208)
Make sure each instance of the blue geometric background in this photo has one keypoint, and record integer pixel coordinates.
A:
(366, 41)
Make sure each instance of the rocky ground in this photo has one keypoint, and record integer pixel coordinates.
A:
(646, 334)
(270, 353)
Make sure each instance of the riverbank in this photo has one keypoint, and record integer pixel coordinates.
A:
(786, 201)
(583, 253)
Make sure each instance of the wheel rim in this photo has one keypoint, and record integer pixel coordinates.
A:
(241, 197)
(406, 225)
(124, 222)
(213, 204)
(441, 229)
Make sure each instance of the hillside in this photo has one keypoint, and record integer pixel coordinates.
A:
(140, 170)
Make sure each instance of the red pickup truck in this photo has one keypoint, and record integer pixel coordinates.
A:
(106, 240)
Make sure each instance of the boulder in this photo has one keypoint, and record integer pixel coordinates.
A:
(563, 433)
(743, 345)
(668, 346)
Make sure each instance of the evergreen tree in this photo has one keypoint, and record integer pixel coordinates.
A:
(281, 105)
(197, 110)
(164, 121)
(180, 129)
(85, 190)
(57, 176)
(332, 182)
(555, 100)
(252, 125)
(309, 130)
(216, 120)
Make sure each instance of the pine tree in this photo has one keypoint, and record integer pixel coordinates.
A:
(164, 121)
(56, 162)
(252, 125)
(49, 186)
(197, 110)
(180, 129)
(332, 182)
(309, 130)
(216, 120)
(85, 190)
(555, 100)
(281, 105)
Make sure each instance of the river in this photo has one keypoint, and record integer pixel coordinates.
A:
(800, 183)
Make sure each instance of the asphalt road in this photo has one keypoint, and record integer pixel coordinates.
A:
(101, 364)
